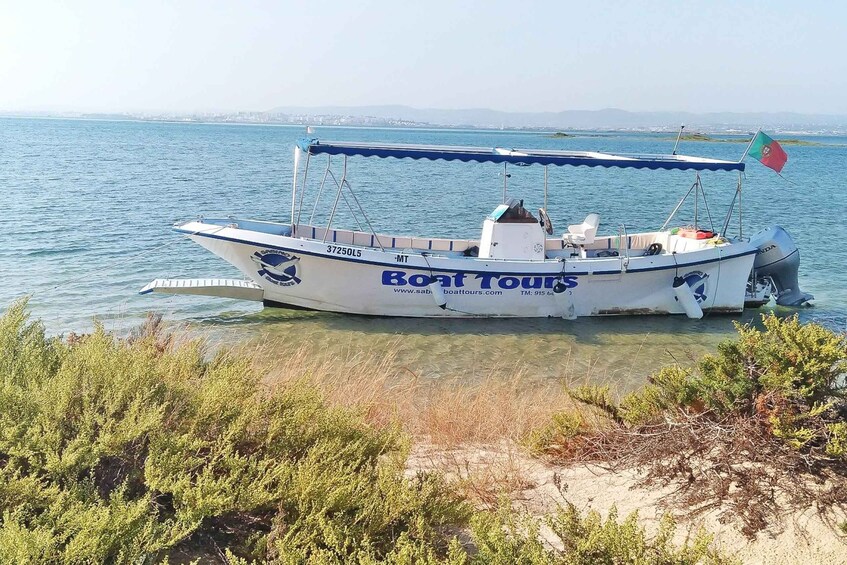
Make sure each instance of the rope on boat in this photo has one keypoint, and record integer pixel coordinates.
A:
(434, 280)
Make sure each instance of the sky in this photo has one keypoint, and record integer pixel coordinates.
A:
(254, 55)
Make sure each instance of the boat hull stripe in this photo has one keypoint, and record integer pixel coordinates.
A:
(453, 270)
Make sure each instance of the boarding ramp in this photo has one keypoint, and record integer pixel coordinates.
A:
(221, 288)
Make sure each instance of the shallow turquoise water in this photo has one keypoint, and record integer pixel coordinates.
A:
(88, 207)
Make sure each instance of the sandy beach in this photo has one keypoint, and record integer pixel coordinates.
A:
(539, 488)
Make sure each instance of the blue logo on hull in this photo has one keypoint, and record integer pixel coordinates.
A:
(698, 281)
(277, 267)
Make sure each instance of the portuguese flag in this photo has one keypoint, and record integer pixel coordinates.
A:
(768, 152)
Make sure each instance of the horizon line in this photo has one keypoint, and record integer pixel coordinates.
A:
(278, 109)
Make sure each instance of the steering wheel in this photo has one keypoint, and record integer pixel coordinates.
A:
(545, 221)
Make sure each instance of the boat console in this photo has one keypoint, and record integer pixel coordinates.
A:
(512, 232)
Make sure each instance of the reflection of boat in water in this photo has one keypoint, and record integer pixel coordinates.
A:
(516, 268)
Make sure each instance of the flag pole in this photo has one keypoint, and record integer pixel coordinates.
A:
(749, 145)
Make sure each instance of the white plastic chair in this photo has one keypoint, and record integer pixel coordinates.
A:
(584, 233)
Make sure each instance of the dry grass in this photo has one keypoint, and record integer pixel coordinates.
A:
(471, 429)
(447, 412)
(482, 473)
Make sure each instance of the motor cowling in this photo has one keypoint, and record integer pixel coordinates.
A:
(778, 259)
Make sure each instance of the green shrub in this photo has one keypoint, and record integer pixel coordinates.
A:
(504, 538)
(128, 451)
(804, 362)
(598, 396)
(762, 419)
(563, 427)
(790, 375)
(667, 389)
(120, 450)
(836, 445)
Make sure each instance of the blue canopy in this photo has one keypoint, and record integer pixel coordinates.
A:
(517, 156)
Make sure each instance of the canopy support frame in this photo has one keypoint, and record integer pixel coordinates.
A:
(320, 189)
(736, 196)
(302, 191)
(698, 189)
(344, 182)
(297, 153)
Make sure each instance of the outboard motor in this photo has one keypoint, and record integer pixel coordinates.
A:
(778, 259)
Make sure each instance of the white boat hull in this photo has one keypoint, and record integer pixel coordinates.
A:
(309, 273)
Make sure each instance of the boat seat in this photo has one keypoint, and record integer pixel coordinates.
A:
(584, 233)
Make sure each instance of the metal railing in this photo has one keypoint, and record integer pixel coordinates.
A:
(623, 247)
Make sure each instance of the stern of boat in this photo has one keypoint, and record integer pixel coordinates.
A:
(776, 270)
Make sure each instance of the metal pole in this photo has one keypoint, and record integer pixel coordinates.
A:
(297, 151)
(749, 145)
(679, 135)
(731, 208)
(505, 181)
(303, 188)
(740, 228)
(706, 204)
(545, 187)
(321, 189)
(337, 197)
(362, 210)
(352, 212)
(675, 210)
(696, 199)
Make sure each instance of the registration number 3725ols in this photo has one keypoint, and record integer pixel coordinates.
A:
(335, 250)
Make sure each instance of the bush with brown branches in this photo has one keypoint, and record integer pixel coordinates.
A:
(752, 431)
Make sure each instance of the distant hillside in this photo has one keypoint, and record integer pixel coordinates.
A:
(610, 118)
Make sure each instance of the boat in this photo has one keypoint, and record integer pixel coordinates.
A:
(518, 267)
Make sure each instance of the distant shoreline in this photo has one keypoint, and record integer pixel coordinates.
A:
(551, 132)
(702, 138)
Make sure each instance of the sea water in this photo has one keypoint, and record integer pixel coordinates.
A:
(88, 206)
